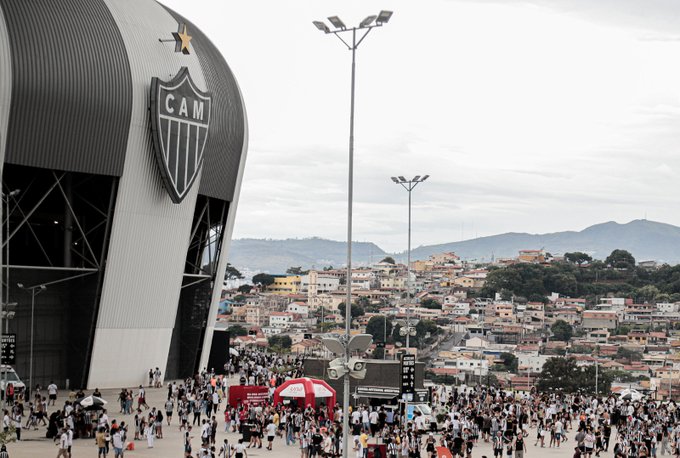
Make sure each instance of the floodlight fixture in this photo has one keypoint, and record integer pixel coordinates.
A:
(368, 21)
(395, 180)
(337, 23)
(402, 179)
(425, 178)
(360, 343)
(20, 285)
(321, 26)
(416, 178)
(384, 17)
(333, 345)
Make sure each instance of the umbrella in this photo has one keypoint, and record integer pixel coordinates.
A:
(92, 402)
(630, 395)
(233, 351)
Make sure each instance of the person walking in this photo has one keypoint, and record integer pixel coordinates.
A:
(63, 445)
(99, 439)
(52, 392)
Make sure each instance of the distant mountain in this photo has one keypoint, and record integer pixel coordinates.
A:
(646, 240)
(275, 256)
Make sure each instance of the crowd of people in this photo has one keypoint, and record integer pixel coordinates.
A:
(511, 425)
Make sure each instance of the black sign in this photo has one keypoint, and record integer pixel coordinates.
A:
(408, 373)
(180, 118)
(9, 349)
(377, 391)
(308, 336)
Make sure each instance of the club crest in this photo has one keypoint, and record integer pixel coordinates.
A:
(180, 118)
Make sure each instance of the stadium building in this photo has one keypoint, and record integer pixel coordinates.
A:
(123, 139)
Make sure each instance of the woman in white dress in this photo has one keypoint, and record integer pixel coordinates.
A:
(149, 432)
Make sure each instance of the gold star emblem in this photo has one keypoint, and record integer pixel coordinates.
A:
(182, 40)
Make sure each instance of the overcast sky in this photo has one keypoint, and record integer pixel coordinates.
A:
(529, 116)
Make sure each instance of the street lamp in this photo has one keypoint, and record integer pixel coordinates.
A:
(409, 185)
(365, 26)
(35, 290)
(3, 315)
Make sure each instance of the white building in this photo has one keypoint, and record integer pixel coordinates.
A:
(298, 307)
(466, 364)
(280, 319)
(318, 283)
(668, 307)
(531, 361)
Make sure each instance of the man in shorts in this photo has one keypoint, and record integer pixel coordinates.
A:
(52, 392)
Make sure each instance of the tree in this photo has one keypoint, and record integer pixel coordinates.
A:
(280, 343)
(620, 259)
(628, 355)
(389, 260)
(239, 298)
(355, 312)
(510, 362)
(232, 273)
(244, 289)
(647, 293)
(430, 304)
(296, 271)
(564, 374)
(578, 257)
(562, 330)
(237, 330)
(378, 327)
(263, 279)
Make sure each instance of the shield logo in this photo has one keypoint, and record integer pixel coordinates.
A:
(180, 119)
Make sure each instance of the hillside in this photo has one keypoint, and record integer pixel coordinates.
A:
(646, 240)
(275, 256)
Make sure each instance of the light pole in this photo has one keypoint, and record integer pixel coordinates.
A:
(409, 185)
(35, 290)
(366, 25)
(5, 201)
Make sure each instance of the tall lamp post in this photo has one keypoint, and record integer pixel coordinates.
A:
(34, 290)
(409, 185)
(364, 27)
(3, 313)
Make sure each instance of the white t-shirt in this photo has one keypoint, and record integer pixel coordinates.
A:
(271, 429)
(52, 389)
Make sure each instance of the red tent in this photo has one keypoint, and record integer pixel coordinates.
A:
(306, 390)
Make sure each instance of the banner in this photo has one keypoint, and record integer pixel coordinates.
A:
(242, 394)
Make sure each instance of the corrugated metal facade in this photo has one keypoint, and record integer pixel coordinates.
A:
(71, 97)
(5, 87)
(150, 234)
(226, 142)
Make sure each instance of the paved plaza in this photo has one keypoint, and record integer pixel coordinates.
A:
(36, 445)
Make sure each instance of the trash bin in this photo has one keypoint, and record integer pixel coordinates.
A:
(382, 453)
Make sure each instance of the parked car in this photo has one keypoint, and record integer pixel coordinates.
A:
(8, 375)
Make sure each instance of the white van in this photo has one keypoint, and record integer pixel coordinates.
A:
(8, 375)
(426, 412)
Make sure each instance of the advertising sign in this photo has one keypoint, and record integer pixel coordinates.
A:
(241, 394)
